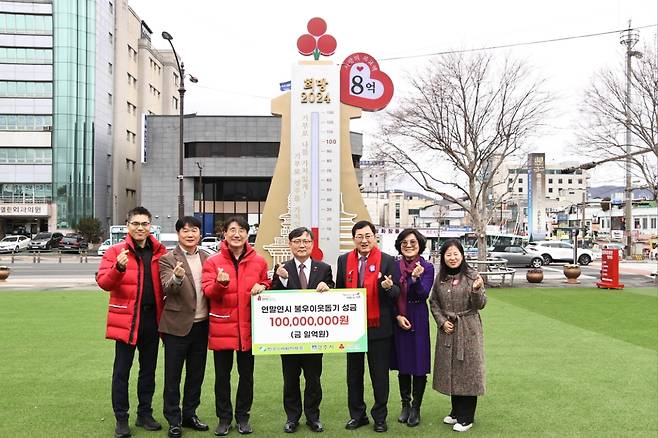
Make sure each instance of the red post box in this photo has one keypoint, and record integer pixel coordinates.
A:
(609, 270)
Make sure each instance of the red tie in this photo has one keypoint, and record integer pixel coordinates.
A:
(302, 277)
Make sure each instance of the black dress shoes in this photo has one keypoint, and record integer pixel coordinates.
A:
(290, 426)
(148, 423)
(244, 428)
(122, 430)
(380, 426)
(315, 425)
(194, 423)
(223, 428)
(175, 431)
(355, 423)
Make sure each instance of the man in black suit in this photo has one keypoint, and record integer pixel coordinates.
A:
(302, 273)
(367, 267)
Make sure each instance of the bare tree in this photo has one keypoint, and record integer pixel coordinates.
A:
(604, 108)
(464, 116)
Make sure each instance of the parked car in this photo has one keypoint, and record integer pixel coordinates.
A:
(73, 243)
(552, 251)
(614, 245)
(517, 256)
(211, 242)
(104, 246)
(45, 241)
(14, 243)
(208, 250)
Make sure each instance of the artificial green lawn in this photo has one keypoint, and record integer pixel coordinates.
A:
(560, 362)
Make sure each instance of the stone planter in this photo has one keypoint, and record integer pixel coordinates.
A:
(534, 275)
(572, 272)
(4, 272)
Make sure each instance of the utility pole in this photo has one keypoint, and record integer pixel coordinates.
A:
(629, 38)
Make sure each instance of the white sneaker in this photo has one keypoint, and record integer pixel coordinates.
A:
(458, 427)
(449, 420)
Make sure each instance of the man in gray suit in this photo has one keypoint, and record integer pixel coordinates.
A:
(184, 325)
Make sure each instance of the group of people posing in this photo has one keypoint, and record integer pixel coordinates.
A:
(196, 302)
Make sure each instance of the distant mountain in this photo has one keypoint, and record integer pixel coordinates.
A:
(607, 191)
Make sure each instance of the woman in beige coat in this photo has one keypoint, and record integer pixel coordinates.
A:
(457, 295)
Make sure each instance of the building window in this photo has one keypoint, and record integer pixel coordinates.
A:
(231, 149)
(644, 223)
(636, 223)
(559, 181)
(131, 108)
(520, 180)
(570, 181)
(20, 55)
(580, 180)
(510, 180)
(520, 189)
(175, 102)
(26, 89)
(132, 53)
(111, 6)
(110, 38)
(21, 122)
(109, 67)
(175, 79)
(550, 190)
(109, 129)
(109, 98)
(26, 24)
(653, 222)
(550, 180)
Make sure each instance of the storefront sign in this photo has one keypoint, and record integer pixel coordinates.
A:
(24, 210)
(297, 321)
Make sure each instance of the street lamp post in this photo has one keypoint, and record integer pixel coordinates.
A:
(201, 198)
(181, 146)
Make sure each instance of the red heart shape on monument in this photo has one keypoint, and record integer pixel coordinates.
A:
(363, 84)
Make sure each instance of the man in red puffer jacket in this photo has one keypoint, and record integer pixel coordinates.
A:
(229, 280)
(130, 272)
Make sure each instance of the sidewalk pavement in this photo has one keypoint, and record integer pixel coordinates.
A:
(647, 267)
(42, 283)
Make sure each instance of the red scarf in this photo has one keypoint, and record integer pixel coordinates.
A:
(370, 282)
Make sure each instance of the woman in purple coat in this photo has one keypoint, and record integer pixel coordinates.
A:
(412, 332)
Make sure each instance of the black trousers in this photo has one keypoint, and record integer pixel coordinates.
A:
(292, 365)
(378, 363)
(192, 351)
(147, 344)
(463, 408)
(245, 394)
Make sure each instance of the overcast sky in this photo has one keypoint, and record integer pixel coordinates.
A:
(241, 50)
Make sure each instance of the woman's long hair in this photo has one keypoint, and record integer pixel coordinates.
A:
(443, 266)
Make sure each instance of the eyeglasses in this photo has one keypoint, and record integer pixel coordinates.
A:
(139, 224)
(300, 241)
(364, 236)
(233, 230)
(410, 243)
